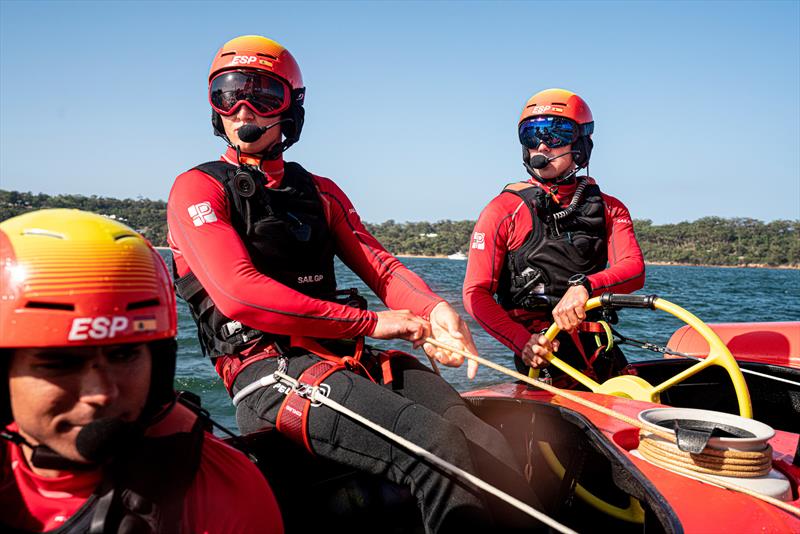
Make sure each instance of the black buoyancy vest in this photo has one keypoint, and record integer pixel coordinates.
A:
(142, 492)
(287, 236)
(535, 275)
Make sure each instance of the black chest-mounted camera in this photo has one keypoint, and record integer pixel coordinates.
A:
(245, 180)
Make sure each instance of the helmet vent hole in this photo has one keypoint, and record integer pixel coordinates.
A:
(266, 55)
(142, 304)
(124, 235)
(50, 306)
(227, 54)
(558, 104)
(45, 233)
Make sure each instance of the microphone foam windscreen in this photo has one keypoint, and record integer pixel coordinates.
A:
(250, 133)
(538, 161)
(101, 439)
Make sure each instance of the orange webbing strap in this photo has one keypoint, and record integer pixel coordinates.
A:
(575, 335)
(351, 363)
(386, 363)
(594, 328)
(292, 419)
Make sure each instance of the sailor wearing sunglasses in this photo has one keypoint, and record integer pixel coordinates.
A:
(545, 246)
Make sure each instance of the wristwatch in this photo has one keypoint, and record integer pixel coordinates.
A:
(580, 280)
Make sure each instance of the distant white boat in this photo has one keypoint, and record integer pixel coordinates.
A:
(457, 256)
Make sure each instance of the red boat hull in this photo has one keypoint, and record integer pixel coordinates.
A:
(699, 507)
(767, 343)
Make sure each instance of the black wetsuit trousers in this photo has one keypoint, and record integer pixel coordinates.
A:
(421, 407)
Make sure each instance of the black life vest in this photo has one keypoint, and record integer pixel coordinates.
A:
(535, 275)
(142, 491)
(287, 236)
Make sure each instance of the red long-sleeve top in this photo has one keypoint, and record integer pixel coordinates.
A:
(204, 241)
(228, 494)
(503, 226)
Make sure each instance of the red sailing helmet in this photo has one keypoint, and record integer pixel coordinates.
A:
(569, 120)
(254, 53)
(69, 277)
(259, 53)
(557, 102)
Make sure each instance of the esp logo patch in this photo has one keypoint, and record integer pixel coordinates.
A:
(97, 327)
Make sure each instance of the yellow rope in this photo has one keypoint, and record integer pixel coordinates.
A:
(683, 470)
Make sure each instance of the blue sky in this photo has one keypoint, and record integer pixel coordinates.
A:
(412, 107)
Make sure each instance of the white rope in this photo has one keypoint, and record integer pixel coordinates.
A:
(764, 375)
(423, 453)
(742, 369)
(262, 382)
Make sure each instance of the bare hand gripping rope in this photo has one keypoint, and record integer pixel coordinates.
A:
(313, 394)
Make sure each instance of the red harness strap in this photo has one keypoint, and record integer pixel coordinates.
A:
(293, 413)
(229, 367)
(351, 363)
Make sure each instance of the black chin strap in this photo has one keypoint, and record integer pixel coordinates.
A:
(96, 442)
(274, 151)
(561, 180)
(567, 178)
(44, 457)
(270, 153)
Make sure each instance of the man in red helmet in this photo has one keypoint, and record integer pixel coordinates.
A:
(254, 239)
(543, 247)
(93, 439)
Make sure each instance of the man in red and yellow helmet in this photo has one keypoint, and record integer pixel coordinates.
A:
(254, 240)
(544, 246)
(93, 437)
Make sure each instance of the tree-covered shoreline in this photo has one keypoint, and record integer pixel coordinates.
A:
(734, 242)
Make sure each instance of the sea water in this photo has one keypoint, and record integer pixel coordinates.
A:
(713, 294)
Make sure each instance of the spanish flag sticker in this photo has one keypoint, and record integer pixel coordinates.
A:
(144, 324)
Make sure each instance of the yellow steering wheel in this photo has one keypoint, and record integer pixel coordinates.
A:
(637, 388)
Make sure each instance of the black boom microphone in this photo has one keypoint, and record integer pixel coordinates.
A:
(540, 161)
(250, 133)
(103, 438)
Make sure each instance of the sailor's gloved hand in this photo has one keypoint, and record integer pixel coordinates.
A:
(535, 350)
(448, 327)
(401, 324)
(570, 312)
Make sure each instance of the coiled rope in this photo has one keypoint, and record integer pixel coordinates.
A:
(651, 429)
(728, 463)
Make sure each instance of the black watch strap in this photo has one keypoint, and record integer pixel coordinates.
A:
(580, 280)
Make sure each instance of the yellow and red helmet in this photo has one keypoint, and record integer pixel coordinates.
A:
(68, 277)
(559, 103)
(249, 53)
(259, 53)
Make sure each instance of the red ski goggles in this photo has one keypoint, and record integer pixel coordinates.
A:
(554, 132)
(263, 94)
